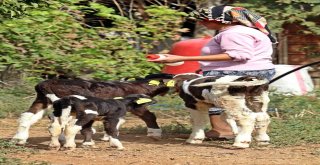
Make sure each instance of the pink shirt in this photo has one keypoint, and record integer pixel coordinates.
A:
(250, 49)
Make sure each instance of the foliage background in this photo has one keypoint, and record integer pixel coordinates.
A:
(52, 37)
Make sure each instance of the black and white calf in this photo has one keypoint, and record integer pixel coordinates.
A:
(244, 100)
(151, 85)
(77, 113)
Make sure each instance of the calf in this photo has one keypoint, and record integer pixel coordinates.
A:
(151, 85)
(86, 110)
(244, 100)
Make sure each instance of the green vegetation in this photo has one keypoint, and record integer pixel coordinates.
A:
(298, 121)
(52, 36)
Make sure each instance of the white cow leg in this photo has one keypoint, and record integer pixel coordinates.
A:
(116, 143)
(70, 133)
(199, 119)
(25, 122)
(233, 125)
(246, 125)
(262, 123)
(154, 133)
(55, 132)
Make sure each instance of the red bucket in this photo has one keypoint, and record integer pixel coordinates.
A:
(191, 47)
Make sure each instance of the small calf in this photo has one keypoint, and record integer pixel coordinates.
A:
(152, 85)
(244, 100)
(88, 109)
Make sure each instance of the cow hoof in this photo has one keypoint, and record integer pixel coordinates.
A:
(54, 148)
(19, 142)
(242, 145)
(120, 148)
(194, 141)
(67, 148)
(263, 143)
(88, 145)
(105, 139)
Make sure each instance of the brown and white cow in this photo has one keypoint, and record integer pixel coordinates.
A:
(152, 85)
(244, 100)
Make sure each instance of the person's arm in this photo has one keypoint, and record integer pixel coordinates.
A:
(173, 58)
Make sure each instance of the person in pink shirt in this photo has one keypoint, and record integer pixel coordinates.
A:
(243, 46)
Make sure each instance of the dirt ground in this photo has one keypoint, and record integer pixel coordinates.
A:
(170, 150)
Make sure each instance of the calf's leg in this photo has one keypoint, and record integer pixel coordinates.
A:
(246, 124)
(262, 123)
(73, 127)
(150, 119)
(28, 118)
(87, 132)
(199, 119)
(55, 131)
(112, 126)
(235, 108)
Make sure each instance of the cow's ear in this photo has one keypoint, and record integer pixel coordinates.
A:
(144, 100)
(170, 83)
(154, 83)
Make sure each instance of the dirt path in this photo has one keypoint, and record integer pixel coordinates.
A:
(171, 150)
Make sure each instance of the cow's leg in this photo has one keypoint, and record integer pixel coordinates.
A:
(74, 126)
(235, 108)
(150, 119)
(70, 132)
(112, 126)
(87, 132)
(233, 125)
(262, 119)
(199, 119)
(55, 131)
(262, 123)
(246, 124)
(30, 117)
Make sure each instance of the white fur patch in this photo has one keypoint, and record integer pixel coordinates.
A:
(117, 143)
(65, 116)
(121, 121)
(52, 97)
(89, 111)
(105, 137)
(154, 132)
(79, 97)
(227, 78)
(233, 83)
(186, 85)
(37, 117)
(187, 74)
(94, 131)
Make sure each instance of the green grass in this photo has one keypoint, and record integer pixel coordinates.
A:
(299, 119)
(16, 99)
(7, 147)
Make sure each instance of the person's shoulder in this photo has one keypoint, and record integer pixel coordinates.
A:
(239, 29)
(242, 30)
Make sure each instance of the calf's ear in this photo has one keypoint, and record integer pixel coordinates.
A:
(144, 101)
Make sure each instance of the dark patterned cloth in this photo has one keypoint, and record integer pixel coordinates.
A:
(228, 14)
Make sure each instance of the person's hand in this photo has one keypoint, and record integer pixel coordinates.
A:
(167, 58)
